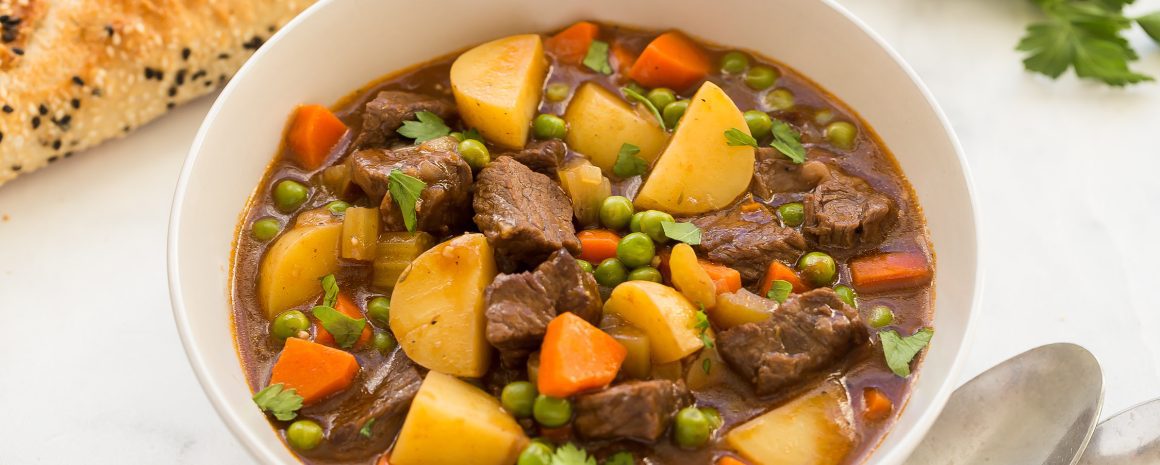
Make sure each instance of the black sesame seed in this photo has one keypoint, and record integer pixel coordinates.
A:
(4, 19)
(1, 137)
(125, 129)
(56, 144)
(67, 154)
(8, 109)
(253, 43)
(16, 167)
(43, 110)
(209, 83)
(272, 28)
(172, 91)
(159, 74)
(76, 103)
(197, 75)
(170, 105)
(64, 121)
(13, 22)
(223, 56)
(8, 36)
(180, 79)
(148, 73)
(109, 30)
(35, 122)
(18, 51)
(53, 158)
(185, 53)
(96, 92)
(78, 81)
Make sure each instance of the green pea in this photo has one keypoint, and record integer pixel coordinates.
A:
(847, 294)
(536, 453)
(585, 265)
(818, 268)
(634, 224)
(379, 311)
(384, 342)
(474, 153)
(547, 126)
(792, 214)
(673, 112)
(779, 99)
(551, 411)
(265, 229)
(289, 195)
(288, 324)
(458, 136)
(518, 398)
(645, 273)
(650, 224)
(881, 316)
(760, 77)
(691, 429)
(734, 62)
(842, 134)
(304, 435)
(660, 97)
(635, 250)
(557, 91)
(616, 212)
(759, 123)
(610, 272)
(337, 207)
(824, 116)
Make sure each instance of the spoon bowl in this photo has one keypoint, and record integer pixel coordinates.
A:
(1131, 437)
(1039, 407)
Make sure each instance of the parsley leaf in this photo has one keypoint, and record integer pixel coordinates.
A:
(330, 291)
(735, 137)
(652, 108)
(779, 290)
(901, 350)
(627, 163)
(597, 57)
(706, 365)
(788, 141)
(473, 134)
(621, 458)
(702, 324)
(1150, 23)
(688, 233)
(429, 126)
(405, 190)
(569, 454)
(365, 431)
(1085, 36)
(282, 403)
(345, 329)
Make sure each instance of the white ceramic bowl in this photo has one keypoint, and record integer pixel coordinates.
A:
(338, 45)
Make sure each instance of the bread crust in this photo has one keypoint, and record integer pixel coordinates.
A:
(76, 73)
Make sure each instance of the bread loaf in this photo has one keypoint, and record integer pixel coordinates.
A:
(75, 73)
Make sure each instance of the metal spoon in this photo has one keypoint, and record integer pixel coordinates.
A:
(1131, 437)
(1038, 408)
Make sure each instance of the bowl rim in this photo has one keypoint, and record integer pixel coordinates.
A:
(260, 450)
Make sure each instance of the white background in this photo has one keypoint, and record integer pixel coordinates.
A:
(92, 371)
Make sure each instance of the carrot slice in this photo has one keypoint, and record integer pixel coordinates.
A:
(671, 60)
(571, 45)
(724, 278)
(596, 245)
(347, 307)
(780, 271)
(314, 131)
(890, 271)
(727, 460)
(875, 405)
(576, 356)
(313, 370)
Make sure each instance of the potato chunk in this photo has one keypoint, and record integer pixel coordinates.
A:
(437, 307)
(815, 429)
(740, 307)
(452, 422)
(698, 171)
(600, 121)
(497, 87)
(293, 266)
(665, 316)
(690, 277)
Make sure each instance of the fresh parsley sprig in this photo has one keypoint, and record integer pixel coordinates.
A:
(405, 190)
(344, 329)
(278, 401)
(627, 163)
(779, 290)
(901, 350)
(597, 57)
(1086, 36)
(569, 454)
(786, 140)
(429, 126)
(688, 233)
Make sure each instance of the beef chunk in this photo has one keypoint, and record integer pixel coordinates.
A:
(542, 156)
(519, 306)
(808, 332)
(442, 206)
(844, 211)
(638, 410)
(524, 215)
(747, 241)
(386, 113)
(773, 173)
(383, 395)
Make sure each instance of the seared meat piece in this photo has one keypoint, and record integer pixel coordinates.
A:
(386, 113)
(844, 211)
(747, 241)
(519, 306)
(638, 410)
(525, 215)
(542, 156)
(774, 173)
(384, 396)
(806, 333)
(442, 206)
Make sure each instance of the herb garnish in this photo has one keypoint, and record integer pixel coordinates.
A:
(901, 350)
(429, 126)
(688, 233)
(779, 290)
(569, 454)
(627, 163)
(282, 403)
(365, 431)
(473, 134)
(702, 325)
(405, 191)
(597, 57)
(621, 458)
(346, 330)
(788, 141)
(736, 138)
(329, 291)
(652, 108)
(1087, 36)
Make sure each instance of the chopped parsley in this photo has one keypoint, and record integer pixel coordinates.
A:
(405, 191)
(652, 108)
(473, 134)
(365, 431)
(736, 138)
(901, 350)
(788, 141)
(345, 329)
(280, 402)
(702, 325)
(688, 233)
(429, 126)
(627, 163)
(597, 57)
(779, 290)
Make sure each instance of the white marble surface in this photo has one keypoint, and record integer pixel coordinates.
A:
(91, 370)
